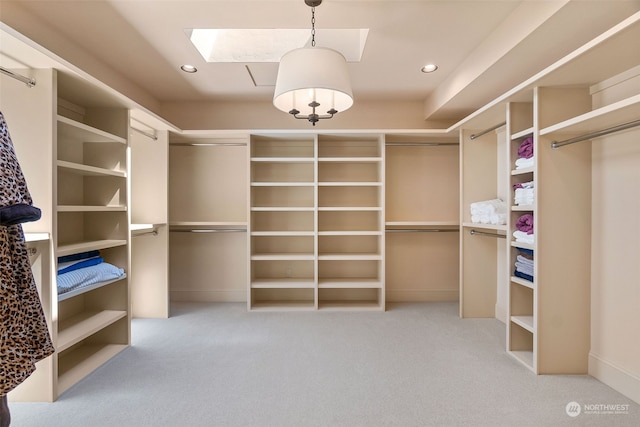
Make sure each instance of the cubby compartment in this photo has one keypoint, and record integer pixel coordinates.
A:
(283, 299)
(349, 196)
(347, 273)
(283, 221)
(349, 246)
(337, 146)
(350, 299)
(349, 171)
(274, 247)
(282, 172)
(282, 273)
(522, 345)
(349, 221)
(285, 146)
(282, 196)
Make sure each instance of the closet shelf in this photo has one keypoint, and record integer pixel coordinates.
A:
(523, 356)
(85, 289)
(283, 159)
(613, 114)
(282, 305)
(523, 133)
(497, 227)
(522, 245)
(74, 248)
(350, 257)
(351, 233)
(349, 306)
(522, 208)
(524, 321)
(523, 282)
(283, 283)
(282, 209)
(522, 171)
(76, 328)
(283, 184)
(282, 233)
(350, 159)
(350, 184)
(75, 131)
(77, 364)
(349, 283)
(452, 224)
(283, 257)
(350, 209)
(81, 208)
(89, 170)
(220, 224)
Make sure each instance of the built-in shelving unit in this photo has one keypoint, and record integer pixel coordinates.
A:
(92, 214)
(316, 230)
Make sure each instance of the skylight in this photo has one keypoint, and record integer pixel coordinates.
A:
(268, 45)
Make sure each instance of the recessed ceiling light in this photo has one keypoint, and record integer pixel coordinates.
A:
(188, 68)
(429, 68)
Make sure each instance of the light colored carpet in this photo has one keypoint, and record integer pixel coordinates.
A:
(414, 365)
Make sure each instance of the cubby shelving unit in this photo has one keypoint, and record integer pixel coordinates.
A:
(316, 222)
(91, 198)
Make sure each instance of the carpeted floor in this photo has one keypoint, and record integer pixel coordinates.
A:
(416, 364)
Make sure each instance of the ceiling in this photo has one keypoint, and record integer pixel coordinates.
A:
(482, 47)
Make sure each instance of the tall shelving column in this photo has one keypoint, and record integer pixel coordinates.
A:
(351, 222)
(283, 223)
(91, 200)
(522, 291)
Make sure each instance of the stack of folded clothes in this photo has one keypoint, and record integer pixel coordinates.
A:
(524, 229)
(83, 269)
(525, 154)
(489, 212)
(523, 194)
(524, 264)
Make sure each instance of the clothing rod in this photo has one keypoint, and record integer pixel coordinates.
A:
(484, 233)
(154, 232)
(419, 144)
(557, 144)
(26, 80)
(476, 135)
(209, 230)
(147, 134)
(208, 144)
(420, 230)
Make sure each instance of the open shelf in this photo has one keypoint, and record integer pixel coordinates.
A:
(82, 290)
(74, 329)
(74, 248)
(89, 170)
(77, 364)
(72, 130)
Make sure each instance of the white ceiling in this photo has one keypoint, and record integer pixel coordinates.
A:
(482, 47)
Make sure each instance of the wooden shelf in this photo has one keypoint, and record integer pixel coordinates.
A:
(350, 306)
(522, 282)
(524, 321)
(349, 283)
(522, 171)
(350, 184)
(283, 257)
(495, 227)
(74, 329)
(85, 289)
(75, 131)
(282, 209)
(80, 208)
(283, 159)
(283, 184)
(77, 364)
(523, 133)
(350, 209)
(282, 233)
(350, 257)
(350, 159)
(89, 170)
(351, 233)
(283, 283)
(74, 248)
(522, 245)
(283, 306)
(524, 357)
(521, 208)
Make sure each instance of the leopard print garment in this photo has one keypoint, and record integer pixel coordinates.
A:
(24, 338)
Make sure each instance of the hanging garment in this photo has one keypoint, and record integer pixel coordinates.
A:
(24, 337)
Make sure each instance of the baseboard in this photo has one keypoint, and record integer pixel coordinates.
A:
(419, 295)
(208, 296)
(501, 314)
(615, 377)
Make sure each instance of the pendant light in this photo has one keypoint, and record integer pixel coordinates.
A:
(313, 79)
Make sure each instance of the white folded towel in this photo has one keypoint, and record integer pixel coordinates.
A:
(523, 237)
(492, 211)
(524, 163)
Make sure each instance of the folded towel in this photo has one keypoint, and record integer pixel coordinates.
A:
(88, 276)
(523, 196)
(528, 184)
(523, 237)
(526, 148)
(522, 163)
(492, 211)
(523, 275)
(525, 223)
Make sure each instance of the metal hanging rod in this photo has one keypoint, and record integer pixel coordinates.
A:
(421, 230)
(618, 128)
(419, 144)
(26, 80)
(208, 230)
(154, 232)
(484, 233)
(147, 134)
(476, 135)
(208, 144)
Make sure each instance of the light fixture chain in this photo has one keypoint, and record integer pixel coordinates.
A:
(313, 26)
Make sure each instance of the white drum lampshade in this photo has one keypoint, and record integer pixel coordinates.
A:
(313, 74)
